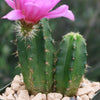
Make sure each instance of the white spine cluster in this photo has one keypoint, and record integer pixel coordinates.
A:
(24, 33)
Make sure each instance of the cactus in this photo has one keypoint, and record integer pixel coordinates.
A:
(35, 51)
(36, 59)
(71, 64)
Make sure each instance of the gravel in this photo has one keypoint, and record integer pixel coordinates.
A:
(17, 91)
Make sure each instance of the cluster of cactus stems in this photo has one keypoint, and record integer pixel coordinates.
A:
(36, 59)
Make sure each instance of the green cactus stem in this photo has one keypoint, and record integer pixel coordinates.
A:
(35, 51)
(71, 64)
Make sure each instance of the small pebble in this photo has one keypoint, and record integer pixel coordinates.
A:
(31, 97)
(57, 99)
(38, 97)
(84, 97)
(78, 98)
(96, 88)
(93, 84)
(91, 94)
(15, 86)
(86, 81)
(18, 79)
(66, 98)
(9, 91)
(2, 97)
(58, 96)
(84, 90)
(44, 96)
(10, 97)
(52, 96)
(22, 95)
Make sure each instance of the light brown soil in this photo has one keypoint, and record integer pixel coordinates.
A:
(17, 91)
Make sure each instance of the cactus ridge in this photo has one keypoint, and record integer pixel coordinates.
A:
(49, 53)
(36, 59)
(71, 64)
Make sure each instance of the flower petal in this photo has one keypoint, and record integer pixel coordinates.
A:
(10, 3)
(62, 11)
(14, 15)
(31, 11)
(47, 4)
(69, 14)
(45, 9)
(54, 3)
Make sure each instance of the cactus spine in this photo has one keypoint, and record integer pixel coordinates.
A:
(71, 63)
(36, 58)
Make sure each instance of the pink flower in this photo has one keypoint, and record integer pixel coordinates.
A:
(31, 11)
